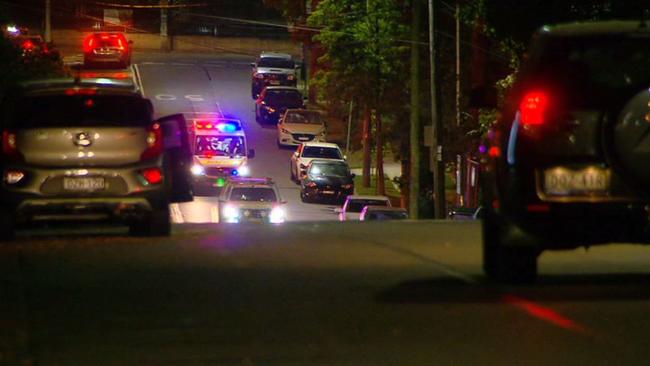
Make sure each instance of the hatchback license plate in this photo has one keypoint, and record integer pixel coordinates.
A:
(84, 184)
(566, 182)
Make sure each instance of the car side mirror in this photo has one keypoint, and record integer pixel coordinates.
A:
(251, 153)
(295, 153)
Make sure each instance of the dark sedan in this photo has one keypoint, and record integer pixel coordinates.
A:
(274, 101)
(326, 180)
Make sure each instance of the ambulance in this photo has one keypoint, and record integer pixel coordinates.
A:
(220, 151)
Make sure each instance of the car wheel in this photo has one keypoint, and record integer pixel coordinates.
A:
(157, 224)
(304, 198)
(293, 175)
(7, 226)
(505, 259)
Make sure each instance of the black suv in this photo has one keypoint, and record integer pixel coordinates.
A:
(568, 159)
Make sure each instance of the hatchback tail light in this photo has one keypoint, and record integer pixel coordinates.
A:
(89, 42)
(153, 176)
(533, 108)
(10, 145)
(154, 143)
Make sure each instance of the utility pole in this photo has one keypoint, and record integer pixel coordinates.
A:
(48, 21)
(414, 175)
(436, 151)
(164, 19)
(458, 91)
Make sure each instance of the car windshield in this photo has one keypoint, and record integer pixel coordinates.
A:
(593, 71)
(90, 110)
(387, 215)
(357, 205)
(329, 170)
(321, 152)
(275, 62)
(313, 118)
(220, 146)
(255, 194)
(284, 97)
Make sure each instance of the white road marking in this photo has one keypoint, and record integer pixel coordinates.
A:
(214, 214)
(195, 98)
(152, 63)
(176, 213)
(180, 64)
(138, 78)
(165, 97)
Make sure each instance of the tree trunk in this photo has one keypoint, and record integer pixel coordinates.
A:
(367, 158)
(413, 186)
(381, 186)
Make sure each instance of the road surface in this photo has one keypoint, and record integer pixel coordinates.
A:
(323, 293)
(180, 83)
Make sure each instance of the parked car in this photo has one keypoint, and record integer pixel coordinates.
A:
(34, 46)
(568, 158)
(354, 204)
(308, 151)
(272, 69)
(274, 101)
(380, 213)
(107, 49)
(80, 151)
(251, 199)
(326, 180)
(300, 125)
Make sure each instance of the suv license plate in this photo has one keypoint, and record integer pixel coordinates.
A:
(83, 184)
(566, 182)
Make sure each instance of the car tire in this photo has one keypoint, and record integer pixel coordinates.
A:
(504, 259)
(158, 223)
(293, 176)
(7, 226)
(304, 198)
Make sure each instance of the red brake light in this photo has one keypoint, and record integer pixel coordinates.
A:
(88, 43)
(120, 44)
(154, 143)
(533, 108)
(28, 45)
(152, 175)
(10, 144)
(79, 91)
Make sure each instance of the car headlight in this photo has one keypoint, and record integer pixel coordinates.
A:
(244, 171)
(284, 130)
(277, 215)
(259, 76)
(270, 109)
(197, 169)
(230, 213)
(303, 166)
(291, 77)
(312, 185)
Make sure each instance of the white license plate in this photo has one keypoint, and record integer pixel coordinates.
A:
(304, 138)
(84, 184)
(328, 192)
(274, 82)
(566, 182)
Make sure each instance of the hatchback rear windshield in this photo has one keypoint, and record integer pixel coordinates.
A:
(78, 110)
(590, 71)
(358, 205)
(321, 152)
(284, 97)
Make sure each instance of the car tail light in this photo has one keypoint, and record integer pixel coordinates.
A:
(152, 175)
(120, 44)
(154, 143)
(89, 43)
(13, 176)
(28, 45)
(533, 108)
(10, 144)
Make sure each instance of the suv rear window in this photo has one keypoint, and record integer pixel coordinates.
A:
(590, 71)
(288, 97)
(78, 110)
(276, 62)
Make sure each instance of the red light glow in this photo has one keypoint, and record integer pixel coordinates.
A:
(152, 175)
(533, 108)
(544, 313)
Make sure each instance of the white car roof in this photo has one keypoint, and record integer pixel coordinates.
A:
(320, 144)
(276, 55)
(368, 197)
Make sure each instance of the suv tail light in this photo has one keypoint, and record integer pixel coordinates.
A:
(153, 176)
(533, 108)
(154, 143)
(88, 43)
(10, 145)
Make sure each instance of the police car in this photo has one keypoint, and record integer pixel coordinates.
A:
(251, 200)
(220, 151)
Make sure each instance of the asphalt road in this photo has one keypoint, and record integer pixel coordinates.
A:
(181, 83)
(406, 293)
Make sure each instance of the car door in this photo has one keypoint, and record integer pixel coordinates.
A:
(178, 157)
(294, 160)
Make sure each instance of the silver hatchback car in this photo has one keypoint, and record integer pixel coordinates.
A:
(75, 150)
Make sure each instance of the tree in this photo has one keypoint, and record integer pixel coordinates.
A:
(363, 59)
